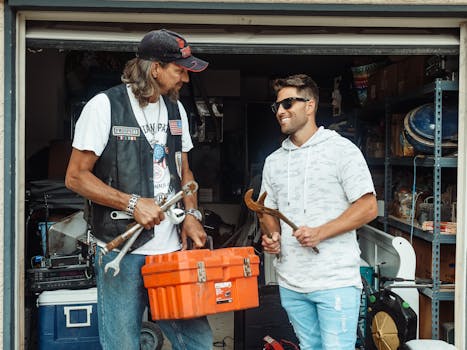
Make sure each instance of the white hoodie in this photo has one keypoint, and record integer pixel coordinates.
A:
(312, 185)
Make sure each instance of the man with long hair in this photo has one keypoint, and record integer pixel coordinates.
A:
(129, 154)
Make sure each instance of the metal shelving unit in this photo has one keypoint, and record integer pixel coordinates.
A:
(437, 162)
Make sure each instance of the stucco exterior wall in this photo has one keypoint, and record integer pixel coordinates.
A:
(2, 119)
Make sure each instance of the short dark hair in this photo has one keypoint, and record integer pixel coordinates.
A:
(302, 82)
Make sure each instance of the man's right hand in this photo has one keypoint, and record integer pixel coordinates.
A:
(148, 213)
(271, 243)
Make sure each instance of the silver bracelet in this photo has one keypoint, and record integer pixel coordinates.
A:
(130, 209)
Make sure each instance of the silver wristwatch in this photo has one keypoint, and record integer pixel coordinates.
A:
(196, 213)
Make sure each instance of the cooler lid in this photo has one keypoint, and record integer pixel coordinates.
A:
(68, 296)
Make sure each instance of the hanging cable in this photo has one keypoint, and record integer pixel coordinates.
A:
(414, 195)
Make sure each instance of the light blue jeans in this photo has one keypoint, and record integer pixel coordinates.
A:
(324, 319)
(121, 302)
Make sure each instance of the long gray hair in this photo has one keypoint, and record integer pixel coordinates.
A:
(137, 74)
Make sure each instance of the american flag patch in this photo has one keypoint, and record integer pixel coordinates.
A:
(175, 127)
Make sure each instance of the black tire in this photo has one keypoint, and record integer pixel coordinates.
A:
(151, 336)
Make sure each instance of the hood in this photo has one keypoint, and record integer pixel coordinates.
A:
(319, 136)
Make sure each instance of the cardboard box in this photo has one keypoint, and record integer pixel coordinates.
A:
(447, 260)
(410, 74)
(194, 283)
(373, 86)
(68, 320)
(383, 83)
(389, 82)
(397, 126)
(446, 314)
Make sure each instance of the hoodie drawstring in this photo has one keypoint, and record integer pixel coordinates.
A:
(305, 187)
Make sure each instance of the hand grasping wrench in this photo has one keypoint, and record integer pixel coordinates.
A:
(259, 208)
(188, 189)
(133, 233)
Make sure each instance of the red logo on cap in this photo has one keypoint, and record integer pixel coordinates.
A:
(184, 50)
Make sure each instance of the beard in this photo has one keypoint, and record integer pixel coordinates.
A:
(173, 94)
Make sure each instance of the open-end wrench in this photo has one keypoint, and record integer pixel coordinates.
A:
(188, 189)
(259, 208)
(115, 263)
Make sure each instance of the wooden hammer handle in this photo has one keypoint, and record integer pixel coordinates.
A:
(121, 238)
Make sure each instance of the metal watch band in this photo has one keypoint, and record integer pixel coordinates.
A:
(196, 213)
(132, 203)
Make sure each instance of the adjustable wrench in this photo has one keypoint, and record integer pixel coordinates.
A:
(115, 263)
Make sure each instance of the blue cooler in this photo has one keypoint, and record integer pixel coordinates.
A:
(68, 320)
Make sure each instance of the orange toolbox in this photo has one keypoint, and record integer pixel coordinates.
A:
(200, 282)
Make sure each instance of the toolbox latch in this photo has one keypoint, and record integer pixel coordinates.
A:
(201, 272)
(246, 267)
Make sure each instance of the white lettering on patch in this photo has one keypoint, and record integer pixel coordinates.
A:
(125, 131)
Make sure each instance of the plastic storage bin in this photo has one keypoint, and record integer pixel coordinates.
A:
(194, 283)
(68, 320)
(43, 228)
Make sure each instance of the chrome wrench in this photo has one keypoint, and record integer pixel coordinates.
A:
(188, 189)
(115, 263)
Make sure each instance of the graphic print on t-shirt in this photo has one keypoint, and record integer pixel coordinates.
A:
(160, 162)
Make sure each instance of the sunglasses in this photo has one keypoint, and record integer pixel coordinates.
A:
(287, 103)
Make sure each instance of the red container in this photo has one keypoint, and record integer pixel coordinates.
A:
(194, 283)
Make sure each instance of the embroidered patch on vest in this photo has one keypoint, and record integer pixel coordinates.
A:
(175, 127)
(125, 132)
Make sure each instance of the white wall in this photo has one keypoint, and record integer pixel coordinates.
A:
(2, 156)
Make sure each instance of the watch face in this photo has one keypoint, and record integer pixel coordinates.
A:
(196, 213)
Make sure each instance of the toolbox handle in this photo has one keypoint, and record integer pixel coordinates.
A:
(209, 243)
(68, 309)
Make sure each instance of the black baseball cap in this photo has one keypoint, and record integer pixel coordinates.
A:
(166, 46)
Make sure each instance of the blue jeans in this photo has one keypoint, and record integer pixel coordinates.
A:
(121, 302)
(324, 319)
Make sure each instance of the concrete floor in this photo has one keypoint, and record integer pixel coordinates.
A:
(222, 325)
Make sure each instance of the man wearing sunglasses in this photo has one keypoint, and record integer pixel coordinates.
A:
(321, 182)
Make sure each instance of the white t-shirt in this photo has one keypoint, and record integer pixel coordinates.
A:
(92, 134)
(312, 185)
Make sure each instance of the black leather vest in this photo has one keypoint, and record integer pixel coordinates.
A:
(127, 164)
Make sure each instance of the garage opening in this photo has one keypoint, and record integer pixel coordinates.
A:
(233, 130)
